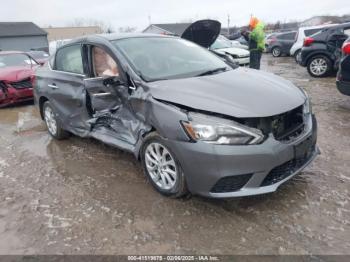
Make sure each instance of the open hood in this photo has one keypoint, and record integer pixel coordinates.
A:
(203, 32)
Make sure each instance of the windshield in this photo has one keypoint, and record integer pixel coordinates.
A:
(157, 58)
(39, 55)
(15, 60)
(220, 43)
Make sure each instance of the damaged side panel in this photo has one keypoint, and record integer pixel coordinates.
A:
(124, 125)
(112, 119)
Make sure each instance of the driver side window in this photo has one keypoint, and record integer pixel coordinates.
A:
(103, 64)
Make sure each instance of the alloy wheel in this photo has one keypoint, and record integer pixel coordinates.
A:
(161, 166)
(50, 120)
(318, 66)
(276, 52)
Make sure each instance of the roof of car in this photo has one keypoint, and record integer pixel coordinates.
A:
(116, 36)
(11, 52)
(317, 26)
(341, 25)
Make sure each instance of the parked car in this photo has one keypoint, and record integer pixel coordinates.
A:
(280, 44)
(16, 77)
(196, 124)
(40, 56)
(299, 39)
(239, 55)
(321, 52)
(237, 44)
(233, 43)
(53, 45)
(216, 43)
(343, 76)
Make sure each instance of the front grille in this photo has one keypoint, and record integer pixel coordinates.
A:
(285, 170)
(230, 183)
(287, 126)
(27, 83)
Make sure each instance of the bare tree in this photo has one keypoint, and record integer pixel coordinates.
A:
(126, 29)
(105, 27)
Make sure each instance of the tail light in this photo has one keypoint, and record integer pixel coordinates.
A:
(346, 48)
(308, 41)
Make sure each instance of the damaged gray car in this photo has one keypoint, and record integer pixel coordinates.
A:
(196, 124)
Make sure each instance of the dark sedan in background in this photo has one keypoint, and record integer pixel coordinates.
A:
(321, 52)
(343, 76)
(281, 43)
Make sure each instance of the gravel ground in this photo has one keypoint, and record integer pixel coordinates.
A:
(79, 196)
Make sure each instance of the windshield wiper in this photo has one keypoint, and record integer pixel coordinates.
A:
(213, 71)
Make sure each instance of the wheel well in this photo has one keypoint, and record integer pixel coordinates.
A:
(42, 100)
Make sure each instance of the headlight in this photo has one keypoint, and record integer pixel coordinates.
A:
(220, 131)
(307, 105)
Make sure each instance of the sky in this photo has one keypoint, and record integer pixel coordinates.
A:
(139, 14)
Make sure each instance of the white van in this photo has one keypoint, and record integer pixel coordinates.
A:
(299, 38)
(53, 45)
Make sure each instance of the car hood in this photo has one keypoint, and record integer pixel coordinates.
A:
(232, 51)
(241, 92)
(15, 73)
(203, 32)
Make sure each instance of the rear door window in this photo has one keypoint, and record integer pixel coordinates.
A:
(312, 31)
(69, 59)
(347, 31)
(288, 36)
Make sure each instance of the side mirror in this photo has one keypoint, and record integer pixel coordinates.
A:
(113, 81)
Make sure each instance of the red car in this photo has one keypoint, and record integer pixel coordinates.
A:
(16, 77)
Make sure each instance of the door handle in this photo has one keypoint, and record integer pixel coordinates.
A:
(101, 94)
(53, 86)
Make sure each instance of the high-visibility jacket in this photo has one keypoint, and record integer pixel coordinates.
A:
(257, 38)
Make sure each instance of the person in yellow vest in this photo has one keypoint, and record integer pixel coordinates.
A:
(256, 40)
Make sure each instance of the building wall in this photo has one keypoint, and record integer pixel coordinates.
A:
(59, 33)
(24, 43)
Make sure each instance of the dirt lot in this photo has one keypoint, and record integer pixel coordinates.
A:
(79, 196)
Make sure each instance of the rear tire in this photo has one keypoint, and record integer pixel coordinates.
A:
(297, 55)
(162, 168)
(319, 66)
(276, 51)
(53, 124)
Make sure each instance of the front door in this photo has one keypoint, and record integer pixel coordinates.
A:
(112, 119)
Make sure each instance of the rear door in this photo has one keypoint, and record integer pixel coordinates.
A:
(65, 88)
(287, 41)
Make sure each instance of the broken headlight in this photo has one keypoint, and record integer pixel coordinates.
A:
(220, 131)
(307, 109)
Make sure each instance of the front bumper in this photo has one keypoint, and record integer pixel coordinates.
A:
(204, 164)
(242, 61)
(12, 96)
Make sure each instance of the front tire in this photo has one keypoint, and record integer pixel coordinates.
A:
(276, 51)
(52, 123)
(162, 168)
(319, 66)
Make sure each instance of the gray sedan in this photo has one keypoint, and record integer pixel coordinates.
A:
(196, 124)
